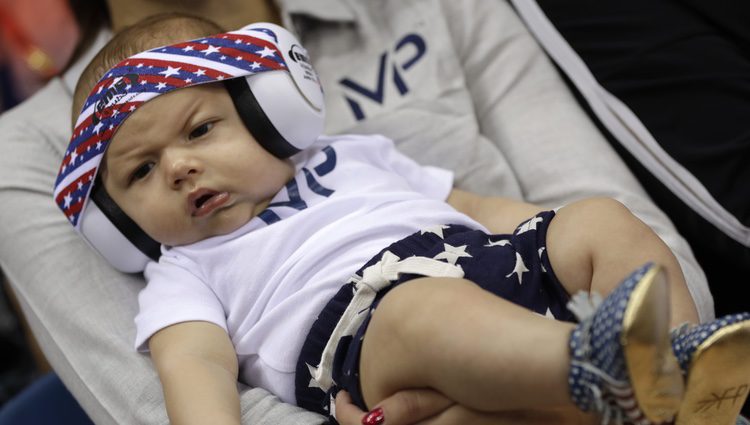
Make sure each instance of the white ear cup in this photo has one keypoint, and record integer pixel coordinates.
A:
(291, 100)
(108, 241)
(295, 119)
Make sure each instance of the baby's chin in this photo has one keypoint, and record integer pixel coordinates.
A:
(191, 239)
(194, 235)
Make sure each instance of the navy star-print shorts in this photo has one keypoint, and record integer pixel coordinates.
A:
(514, 267)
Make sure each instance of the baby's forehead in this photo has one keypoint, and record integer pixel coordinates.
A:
(164, 114)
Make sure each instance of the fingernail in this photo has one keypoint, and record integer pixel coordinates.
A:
(375, 417)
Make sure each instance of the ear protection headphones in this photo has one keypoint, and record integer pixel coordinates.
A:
(268, 75)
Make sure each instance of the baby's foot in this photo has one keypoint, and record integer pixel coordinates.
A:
(715, 359)
(622, 363)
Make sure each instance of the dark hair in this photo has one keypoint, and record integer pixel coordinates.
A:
(149, 33)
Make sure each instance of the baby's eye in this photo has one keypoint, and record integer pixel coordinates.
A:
(142, 171)
(201, 130)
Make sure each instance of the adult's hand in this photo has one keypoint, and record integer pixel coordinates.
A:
(427, 407)
(408, 407)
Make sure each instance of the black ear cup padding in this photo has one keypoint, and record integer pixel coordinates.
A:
(124, 224)
(256, 120)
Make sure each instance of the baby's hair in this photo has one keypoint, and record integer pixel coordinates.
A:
(152, 32)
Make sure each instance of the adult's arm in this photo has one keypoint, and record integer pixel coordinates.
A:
(556, 152)
(79, 308)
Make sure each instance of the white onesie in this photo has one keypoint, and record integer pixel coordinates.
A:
(266, 282)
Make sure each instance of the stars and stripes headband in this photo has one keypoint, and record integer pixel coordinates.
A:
(254, 49)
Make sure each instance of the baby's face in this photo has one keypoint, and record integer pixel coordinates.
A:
(185, 168)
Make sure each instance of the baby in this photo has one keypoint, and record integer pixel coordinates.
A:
(307, 264)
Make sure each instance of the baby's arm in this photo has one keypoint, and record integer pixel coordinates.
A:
(498, 215)
(198, 369)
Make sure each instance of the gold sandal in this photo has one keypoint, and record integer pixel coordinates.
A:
(622, 364)
(716, 358)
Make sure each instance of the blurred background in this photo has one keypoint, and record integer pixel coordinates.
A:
(37, 38)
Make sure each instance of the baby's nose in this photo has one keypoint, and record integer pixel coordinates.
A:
(181, 170)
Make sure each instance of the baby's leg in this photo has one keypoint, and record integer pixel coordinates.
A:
(490, 355)
(593, 243)
(478, 349)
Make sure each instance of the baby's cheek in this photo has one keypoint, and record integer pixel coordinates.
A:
(166, 231)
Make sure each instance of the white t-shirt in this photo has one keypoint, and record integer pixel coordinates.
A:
(266, 282)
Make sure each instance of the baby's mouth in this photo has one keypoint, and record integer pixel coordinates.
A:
(202, 202)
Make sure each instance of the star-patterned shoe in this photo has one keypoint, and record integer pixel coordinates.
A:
(622, 365)
(715, 360)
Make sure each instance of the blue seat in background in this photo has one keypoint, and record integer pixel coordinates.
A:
(46, 401)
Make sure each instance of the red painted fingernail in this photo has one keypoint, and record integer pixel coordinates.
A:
(375, 417)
